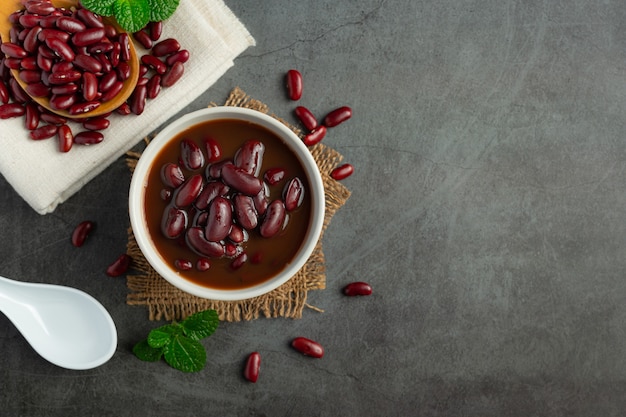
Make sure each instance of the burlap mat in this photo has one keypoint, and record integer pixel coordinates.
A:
(166, 302)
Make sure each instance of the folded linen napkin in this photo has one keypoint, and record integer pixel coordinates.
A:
(45, 177)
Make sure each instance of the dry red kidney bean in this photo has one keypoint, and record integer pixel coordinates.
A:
(31, 120)
(43, 132)
(357, 288)
(89, 18)
(249, 157)
(174, 222)
(191, 155)
(97, 123)
(154, 63)
(337, 116)
(219, 220)
(119, 266)
(213, 149)
(294, 84)
(198, 242)
(315, 136)
(342, 172)
(113, 91)
(181, 56)
(84, 107)
(155, 29)
(154, 86)
(308, 347)
(183, 264)
(88, 36)
(81, 232)
(138, 99)
(187, 193)
(4, 92)
(65, 138)
(64, 77)
(38, 90)
(173, 74)
(88, 137)
(253, 366)
(88, 63)
(274, 219)
(309, 121)
(11, 110)
(53, 118)
(12, 50)
(293, 194)
(245, 212)
(70, 24)
(143, 38)
(240, 180)
(274, 175)
(166, 47)
(61, 48)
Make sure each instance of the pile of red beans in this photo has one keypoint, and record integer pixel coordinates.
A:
(78, 61)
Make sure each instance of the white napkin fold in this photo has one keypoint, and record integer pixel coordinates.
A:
(45, 177)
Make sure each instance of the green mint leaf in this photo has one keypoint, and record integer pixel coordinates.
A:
(200, 325)
(185, 354)
(132, 15)
(101, 7)
(161, 336)
(147, 353)
(162, 9)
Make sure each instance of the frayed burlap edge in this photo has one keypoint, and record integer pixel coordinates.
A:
(166, 302)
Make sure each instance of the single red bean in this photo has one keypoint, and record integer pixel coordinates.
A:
(315, 136)
(44, 63)
(65, 137)
(155, 29)
(10, 110)
(115, 53)
(143, 38)
(155, 63)
(53, 33)
(294, 84)
(124, 42)
(173, 74)
(239, 260)
(43, 132)
(252, 368)
(61, 48)
(31, 121)
(88, 63)
(4, 92)
(188, 191)
(30, 76)
(124, 109)
(274, 175)
(210, 191)
(98, 123)
(88, 36)
(173, 222)
(69, 88)
(81, 232)
(337, 116)
(213, 149)
(62, 101)
(40, 8)
(38, 90)
(29, 20)
(198, 242)
(240, 180)
(89, 86)
(13, 63)
(172, 175)
(138, 99)
(293, 194)
(203, 264)
(262, 200)
(245, 212)
(308, 347)
(84, 107)
(342, 172)
(309, 121)
(88, 137)
(249, 157)
(119, 266)
(64, 77)
(29, 63)
(113, 91)
(12, 50)
(191, 155)
(181, 56)
(62, 66)
(166, 47)
(53, 118)
(274, 219)
(123, 71)
(18, 94)
(89, 18)
(357, 288)
(232, 250)
(70, 24)
(107, 80)
(183, 264)
(154, 86)
(237, 234)
(100, 47)
(219, 220)
(106, 63)
(31, 41)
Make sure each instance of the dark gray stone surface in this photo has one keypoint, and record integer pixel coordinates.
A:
(488, 212)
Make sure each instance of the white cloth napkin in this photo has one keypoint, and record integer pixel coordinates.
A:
(45, 177)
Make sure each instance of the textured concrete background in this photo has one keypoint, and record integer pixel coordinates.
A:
(488, 212)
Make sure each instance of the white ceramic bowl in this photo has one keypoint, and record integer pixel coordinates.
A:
(138, 189)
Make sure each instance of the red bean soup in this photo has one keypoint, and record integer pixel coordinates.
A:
(227, 204)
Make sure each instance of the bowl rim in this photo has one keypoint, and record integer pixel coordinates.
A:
(138, 186)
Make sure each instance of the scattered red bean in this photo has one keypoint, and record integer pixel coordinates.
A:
(337, 116)
(309, 121)
(342, 172)
(315, 136)
(253, 366)
(81, 232)
(357, 288)
(308, 347)
(119, 266)
(65, 137)
(294, 84)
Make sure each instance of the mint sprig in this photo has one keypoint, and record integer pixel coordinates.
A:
(179, 343)
(133, 15)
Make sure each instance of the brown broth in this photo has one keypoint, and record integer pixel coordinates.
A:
(276, 252)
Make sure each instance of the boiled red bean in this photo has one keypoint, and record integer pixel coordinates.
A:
(213, 149)
(237, 234)
(209, 192)
(88, 137)
(315, 136)
(174, 222)
(294, 84)
(337, 116)
(119, 266)
(81, 232)
(189, 191)
(43, 132)
(198, 242)
(274, 219)
(173, 74)
(274, 175)
(191, 155)
(166, 47)
(308, 347)
(65, 138)
(203, 264)
(249, 157)
(245, 212)
(239, 261)
(342, 172)
(253, 366)
(31, 41)
(309, 121)
(357, 288)
(183, 264)
(219, 219)
(232, 250)
(240, 180)
(215, 170)
(293, 194)
(11, 110)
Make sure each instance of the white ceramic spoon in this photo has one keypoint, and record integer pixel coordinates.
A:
(66, 326)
